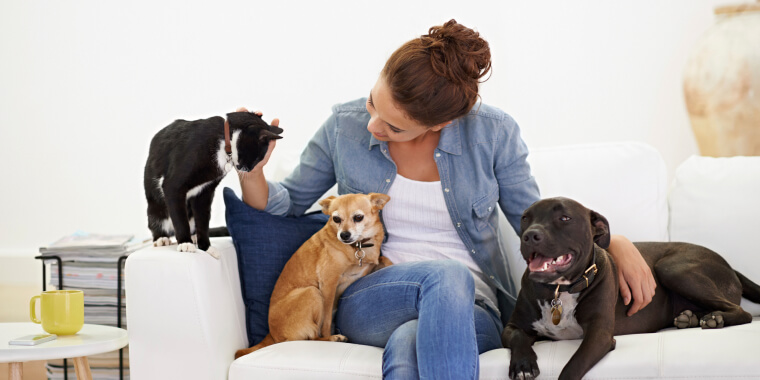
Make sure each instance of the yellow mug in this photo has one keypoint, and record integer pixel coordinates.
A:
(62, 311)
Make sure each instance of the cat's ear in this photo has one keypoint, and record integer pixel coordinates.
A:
(266, 135)
(275, 129)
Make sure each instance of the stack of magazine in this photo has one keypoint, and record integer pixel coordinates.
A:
(90, 263)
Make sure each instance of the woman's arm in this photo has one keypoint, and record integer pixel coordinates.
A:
(310, 179)
(253, 184)
(517, 187)
(634, 275)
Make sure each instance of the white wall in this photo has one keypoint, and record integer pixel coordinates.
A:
(85, 84)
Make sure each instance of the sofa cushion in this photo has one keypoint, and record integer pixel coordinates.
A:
(671, 354)
(264, 243)
(715, 202)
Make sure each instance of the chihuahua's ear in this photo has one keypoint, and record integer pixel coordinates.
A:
(378, 200)
(325, 203)
(600, 228)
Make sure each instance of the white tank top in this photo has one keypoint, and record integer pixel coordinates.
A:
(419, 228)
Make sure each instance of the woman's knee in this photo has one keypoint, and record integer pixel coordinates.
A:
(452, 274)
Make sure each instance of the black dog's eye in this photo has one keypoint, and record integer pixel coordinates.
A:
(564, 218)
(358, 218)
(524, 218)
(336, 219)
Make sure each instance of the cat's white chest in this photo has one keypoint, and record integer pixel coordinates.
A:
(568, 327)
(224, 162)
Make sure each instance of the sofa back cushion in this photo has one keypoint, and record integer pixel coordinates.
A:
(626, 182)
(264, 243)
(715, 202)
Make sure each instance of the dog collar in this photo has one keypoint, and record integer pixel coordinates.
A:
(581, 283)
(359, 244)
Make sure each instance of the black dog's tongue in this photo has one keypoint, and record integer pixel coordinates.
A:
(538, 262)
(541, 263)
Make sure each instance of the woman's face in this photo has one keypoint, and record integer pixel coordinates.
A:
(387, 121)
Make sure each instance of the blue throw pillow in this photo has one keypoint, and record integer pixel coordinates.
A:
(264, 243)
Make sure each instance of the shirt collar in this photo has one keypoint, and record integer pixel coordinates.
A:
(450, 142)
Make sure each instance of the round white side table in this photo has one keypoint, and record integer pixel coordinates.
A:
(91, 340)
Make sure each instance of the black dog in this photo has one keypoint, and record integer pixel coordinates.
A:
(570, 288)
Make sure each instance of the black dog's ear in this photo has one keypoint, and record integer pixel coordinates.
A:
(601, 229)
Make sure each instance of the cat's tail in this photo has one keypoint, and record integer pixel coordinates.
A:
(218, 232)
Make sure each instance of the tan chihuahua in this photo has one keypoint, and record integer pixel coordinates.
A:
(345, 249)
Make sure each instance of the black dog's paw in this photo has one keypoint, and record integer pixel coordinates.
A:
(523, 369)
(713, 320)
(686, 319)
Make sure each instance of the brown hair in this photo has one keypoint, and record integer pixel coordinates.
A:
(435, 77)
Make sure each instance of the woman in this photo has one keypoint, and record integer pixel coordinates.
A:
(447, 164)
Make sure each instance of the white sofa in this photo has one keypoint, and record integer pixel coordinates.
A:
(186, 315)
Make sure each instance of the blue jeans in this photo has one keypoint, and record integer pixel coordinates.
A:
(422, 314)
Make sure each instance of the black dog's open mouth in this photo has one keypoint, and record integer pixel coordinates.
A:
(540, 263)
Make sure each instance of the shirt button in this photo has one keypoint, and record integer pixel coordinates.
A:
(491, 277)
(446, 189)
(459, 224)
(438, 155)
(384, 151)
(387, 180)
(473, 251)
(490, 208)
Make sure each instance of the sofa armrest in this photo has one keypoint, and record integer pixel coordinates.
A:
(185, 313)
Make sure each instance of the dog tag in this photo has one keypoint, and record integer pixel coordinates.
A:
(359, 256)
(556, 311)
(228, 165)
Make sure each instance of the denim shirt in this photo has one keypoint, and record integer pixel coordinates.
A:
(481, 161)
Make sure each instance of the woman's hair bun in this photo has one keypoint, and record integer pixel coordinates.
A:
(457, 52)
(435, 78)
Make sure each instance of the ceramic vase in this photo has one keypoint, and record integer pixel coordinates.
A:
(722, 84)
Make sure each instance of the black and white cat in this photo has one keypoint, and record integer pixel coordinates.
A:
(186, 161)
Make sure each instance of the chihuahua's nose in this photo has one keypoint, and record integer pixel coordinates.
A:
(345, 235)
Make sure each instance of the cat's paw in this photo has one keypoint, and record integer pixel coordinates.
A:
(213, 252)
(186, 247)
(162, 241)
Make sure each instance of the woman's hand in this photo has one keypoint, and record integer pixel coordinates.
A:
(260, 166)
(253, 184)
(634, 275)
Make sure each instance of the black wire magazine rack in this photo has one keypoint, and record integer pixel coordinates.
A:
(119, 304)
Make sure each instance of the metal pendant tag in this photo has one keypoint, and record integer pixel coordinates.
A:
(228, 165)
(358, 256)
(556, 311)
